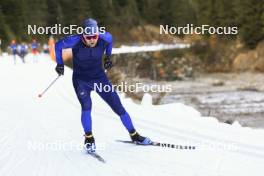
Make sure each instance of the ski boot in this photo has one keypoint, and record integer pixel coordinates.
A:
(138, 139)
(89, 143)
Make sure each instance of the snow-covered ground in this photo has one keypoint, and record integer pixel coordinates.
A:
(149, 48)
(42, 136)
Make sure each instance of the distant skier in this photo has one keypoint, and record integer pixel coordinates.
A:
(51, 44)
(34, 48)
(13, 47)
(87, 51)
(23, 51)
(45, 48)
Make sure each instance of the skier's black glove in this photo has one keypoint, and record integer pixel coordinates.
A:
(60, 69)
(107, 63)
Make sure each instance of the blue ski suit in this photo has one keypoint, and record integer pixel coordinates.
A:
(87, 71)
(14, 48)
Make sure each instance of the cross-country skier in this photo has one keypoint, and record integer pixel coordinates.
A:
(23, 51)
(13, 47)
(87, 52)
(34, 47)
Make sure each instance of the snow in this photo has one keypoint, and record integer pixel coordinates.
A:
(148, 48)
(42, 136)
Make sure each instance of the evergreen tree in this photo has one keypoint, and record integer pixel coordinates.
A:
(249, 18)
(248, 15)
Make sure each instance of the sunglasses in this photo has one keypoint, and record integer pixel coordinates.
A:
(89, 37)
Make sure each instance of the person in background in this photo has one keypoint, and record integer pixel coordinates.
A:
(51, 44)
(45, 48)
(23, 51)
(13, 47)
(34, 49)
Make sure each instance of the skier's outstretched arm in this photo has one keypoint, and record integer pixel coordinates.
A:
(108, 51)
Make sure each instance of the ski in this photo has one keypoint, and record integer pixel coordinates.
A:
(166, 145)
(97, 156)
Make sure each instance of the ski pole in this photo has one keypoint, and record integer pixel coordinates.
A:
(41, 94)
